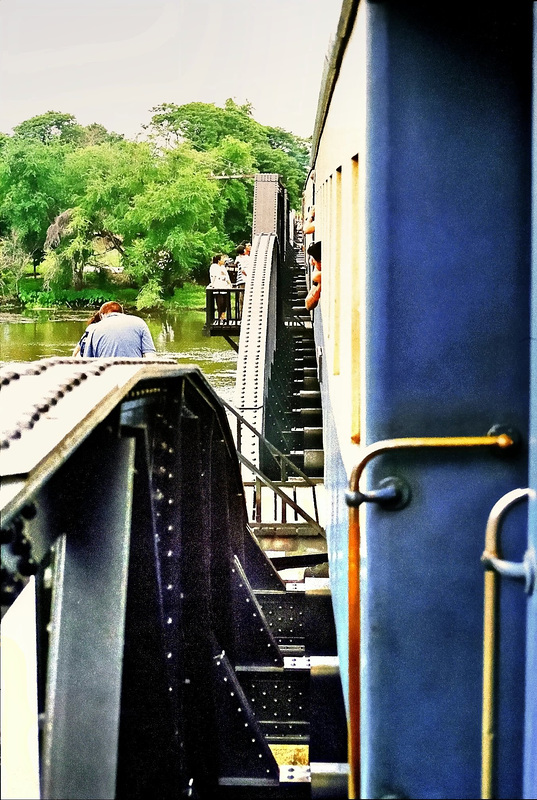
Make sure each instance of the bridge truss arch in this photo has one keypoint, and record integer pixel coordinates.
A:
(257, 344)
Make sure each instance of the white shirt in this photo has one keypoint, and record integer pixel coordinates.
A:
(243, 273)
(219, 277)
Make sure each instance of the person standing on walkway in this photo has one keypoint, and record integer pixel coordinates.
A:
(243, 264)
(219, 279)
(243, 271)
(118, 335)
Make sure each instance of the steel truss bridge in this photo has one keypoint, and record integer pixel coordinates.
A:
(165, 654)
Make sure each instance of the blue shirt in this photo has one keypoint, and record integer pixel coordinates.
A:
(118, 336)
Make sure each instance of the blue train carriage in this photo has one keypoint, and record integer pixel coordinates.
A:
(421, 183)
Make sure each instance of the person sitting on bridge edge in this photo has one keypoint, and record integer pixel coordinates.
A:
(118, 335)
(314, 294)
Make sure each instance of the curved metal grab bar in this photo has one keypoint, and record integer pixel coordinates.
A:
(494, 564)
(502, 441)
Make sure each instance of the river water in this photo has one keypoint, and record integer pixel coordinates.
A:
(33, 335)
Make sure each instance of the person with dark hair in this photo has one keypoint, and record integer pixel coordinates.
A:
(314, 294)
(78, 352)
(314, 250)
(243, 264)
(219, 279)
(243, 270)
(118, 335)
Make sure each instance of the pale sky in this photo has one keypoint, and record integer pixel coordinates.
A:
(111, 61)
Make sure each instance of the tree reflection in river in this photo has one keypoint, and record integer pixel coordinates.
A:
(30, 336)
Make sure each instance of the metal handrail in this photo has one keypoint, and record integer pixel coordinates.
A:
(211, 307)
(275, 453)
(500, 441)
(490, 615)
(298, 322)
(292, 485)
(276, 489)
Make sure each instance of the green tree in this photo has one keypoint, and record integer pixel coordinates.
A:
(97, 134)
(171, 229)
(294, 146)
(72, 236)
(49, 127)
(54, 126)
(233, 157)
(166, 206)
(160, 211)
(270, 159)
(32, 191)
(206, 125)
(13, 263)
(104, 180)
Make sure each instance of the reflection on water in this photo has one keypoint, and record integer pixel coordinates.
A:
(28, 337)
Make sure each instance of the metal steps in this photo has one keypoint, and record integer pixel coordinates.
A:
(294, 412)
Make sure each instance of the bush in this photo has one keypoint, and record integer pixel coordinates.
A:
(150, 296)
(32, 295)
(191, 295)
(72, 299)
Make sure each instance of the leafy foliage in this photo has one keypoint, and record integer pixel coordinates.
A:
(47, 127)
(205, 126)
(55, 126)
(32, 190)
(86, 298)
(150, 295)
(13, 264)
(70, 195)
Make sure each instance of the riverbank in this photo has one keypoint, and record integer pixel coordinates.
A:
(32, 297)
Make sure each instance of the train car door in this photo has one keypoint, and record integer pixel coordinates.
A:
(530, 739)
(447, 357)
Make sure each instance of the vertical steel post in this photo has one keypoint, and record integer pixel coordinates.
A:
(86, 639)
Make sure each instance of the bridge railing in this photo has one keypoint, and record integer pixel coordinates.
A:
(283, 494)
(223, 308)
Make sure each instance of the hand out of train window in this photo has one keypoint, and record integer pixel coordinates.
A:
(309, 224)
(314, 294)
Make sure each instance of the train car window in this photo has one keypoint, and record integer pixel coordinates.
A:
(322, 214)
(335, 269)
(354, 277)
(327, 264)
